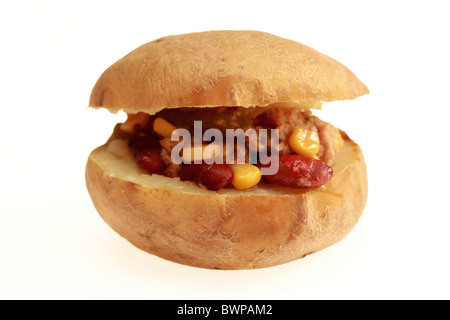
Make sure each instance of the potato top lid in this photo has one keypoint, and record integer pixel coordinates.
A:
(222, 68)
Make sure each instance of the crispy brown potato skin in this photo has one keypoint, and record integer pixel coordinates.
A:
(222, 68)
(231, 230)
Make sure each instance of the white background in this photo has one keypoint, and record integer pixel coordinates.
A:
(54, 245)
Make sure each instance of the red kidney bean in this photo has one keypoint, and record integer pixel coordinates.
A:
(213, 176)
(150, 160)
(299, 171)
(190, 172)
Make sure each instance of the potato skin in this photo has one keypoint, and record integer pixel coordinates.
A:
(240, 230)
(222, 68)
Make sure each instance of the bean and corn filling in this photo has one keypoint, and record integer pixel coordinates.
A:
(307, 146)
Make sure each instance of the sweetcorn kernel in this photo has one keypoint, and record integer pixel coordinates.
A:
(245, 175)
(304, 142)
